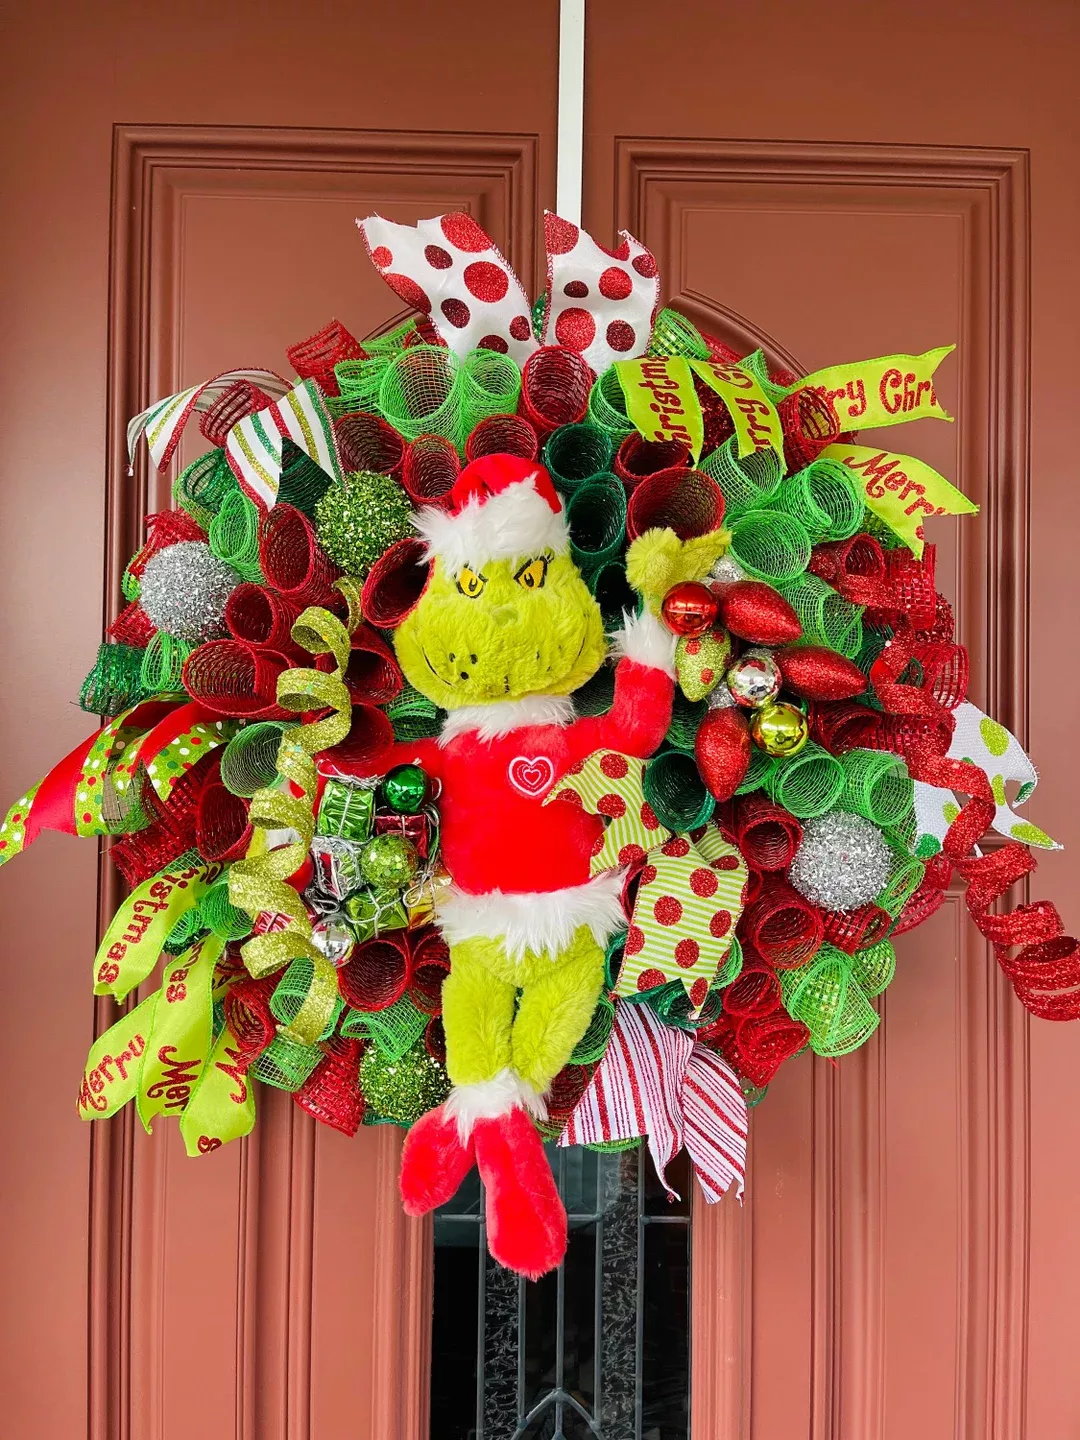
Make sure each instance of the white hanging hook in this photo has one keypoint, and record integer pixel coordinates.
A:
(571, 109)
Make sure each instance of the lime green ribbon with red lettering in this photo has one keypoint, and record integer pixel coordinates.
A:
(889, 390)
(757, 424)
(258, 883)
(183, 1027)
(661, 402)
(901, 490)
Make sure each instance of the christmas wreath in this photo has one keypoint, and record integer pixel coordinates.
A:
(531, 724)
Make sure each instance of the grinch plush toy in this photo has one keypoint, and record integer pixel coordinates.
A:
(503, 634)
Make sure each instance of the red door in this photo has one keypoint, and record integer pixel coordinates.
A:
(182, 188)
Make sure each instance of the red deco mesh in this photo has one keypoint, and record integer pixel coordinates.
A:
(637, 457)
(503, 435)
(240, 400)
(366, 442)
(687, 501)
(756, 1047)
(231, 677)
(566, 1090)
(315, 357)
(767, 834)
(292, 559)
(370, 732)
(555, 385)
(132, 627)
(430, 469)
(851, 930)
(249, 1017)
(261, 617)
(164, 528)
(809, 423)
(854, 567)
(435, 1039)
(222, 828)
(782, 925)
(755, 992)
(376, 974)
(716, 417)
(718, 350)
(332, 1093)
(171, 831)
(395, 583)
(373, 673)
(430, 966)
(920, 906)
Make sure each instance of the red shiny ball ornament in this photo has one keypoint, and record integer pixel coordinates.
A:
(689, 608)
(722, 751)
(817, 673)
(755, 611)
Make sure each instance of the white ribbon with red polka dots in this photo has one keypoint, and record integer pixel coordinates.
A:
(601, 303)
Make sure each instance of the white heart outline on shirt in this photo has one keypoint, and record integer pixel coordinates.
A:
(531, 776)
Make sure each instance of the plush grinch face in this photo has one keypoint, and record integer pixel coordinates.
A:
(501, 631)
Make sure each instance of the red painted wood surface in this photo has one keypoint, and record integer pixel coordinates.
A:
(907, 1258)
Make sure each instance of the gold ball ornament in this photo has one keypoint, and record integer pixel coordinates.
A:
(754, 679)
(780, 729)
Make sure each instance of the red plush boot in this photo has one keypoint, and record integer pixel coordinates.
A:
(526, 1221)
(434, 1162)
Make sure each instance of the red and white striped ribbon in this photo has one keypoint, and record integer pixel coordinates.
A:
(657, 1081)
(163, 422)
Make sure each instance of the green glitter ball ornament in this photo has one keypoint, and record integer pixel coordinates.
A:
(357, 521)
(403, 1090)
(389, 861)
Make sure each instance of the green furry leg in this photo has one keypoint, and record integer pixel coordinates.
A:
(558, 997)
(556, 1006)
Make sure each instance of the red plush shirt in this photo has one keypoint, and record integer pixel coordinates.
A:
(496, 833)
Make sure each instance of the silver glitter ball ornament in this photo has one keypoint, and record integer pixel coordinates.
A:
(184, 589)
(726, 571)
(843, 861)
(721, 698)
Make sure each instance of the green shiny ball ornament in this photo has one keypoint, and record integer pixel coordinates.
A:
(404, 1089)
(389, 862)
(781, 730)
(404, 789)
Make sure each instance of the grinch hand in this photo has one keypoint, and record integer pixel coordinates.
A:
(503, 634)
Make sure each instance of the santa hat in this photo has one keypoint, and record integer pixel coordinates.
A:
(500, 508)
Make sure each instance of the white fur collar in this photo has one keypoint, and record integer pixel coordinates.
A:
(502, 716)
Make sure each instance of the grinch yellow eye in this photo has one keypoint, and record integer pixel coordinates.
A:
(531, 576)
(470, 583)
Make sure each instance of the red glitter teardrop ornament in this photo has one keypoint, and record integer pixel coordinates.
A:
(689, 608)
(817, 673)
(755, 611)
(722, 751)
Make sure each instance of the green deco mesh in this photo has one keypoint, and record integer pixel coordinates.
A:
(115, 682)
(757, 772)
(595, 697)
(202, 487)
(234, 536)
(184, 931)
(672, 1004)
(420, 393)
(489, 384)
(303, 483)
(747, 482)
(414, 716)
(394, 1030)
(877, 786)
(676, 791)
(607, 406)
(905, 878)
(673, 334)
(874, 967)
(825, 996)
(823, 501)
(770, 545)
(574, 453)
(593, 1043)
(285, 1064)
(162, 664)
(826, 617)
(218, 914)
(249, 760)
(874, 641)
(358, 381)
(807, 784)
(613, 956)
(731, 969)
(686, 716)
(291, 992)
(612, 592)
(596, 515)
(538, 309)
(758, 367)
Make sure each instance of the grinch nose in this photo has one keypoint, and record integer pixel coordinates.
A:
(503, 614)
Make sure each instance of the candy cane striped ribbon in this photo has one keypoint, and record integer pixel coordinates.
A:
(255, 446)
(163, 422)
(657, 1081)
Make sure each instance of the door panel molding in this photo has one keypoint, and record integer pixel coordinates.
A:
(660, 185)
(264, 1198)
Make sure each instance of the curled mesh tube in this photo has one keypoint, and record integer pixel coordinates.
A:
(673, 334)
(489, 384)
(502, 435)
(612, 592)
(420, 393)
(249, 761)
(807, 784)
(747, 481)
(376, 974)
(686, 717)
(826, 617)
(590, 1048)
(235, 678)
(368, 444)
(607, 405)
(686, 501)
(874, 967)
(261, 616)
(595, 697)
(162, 668)
(285, 1064)
(757, 772)
(783, 927)
(413, 715)
(222, 828)
(555, 385)
(596, 515)
(767, 834)
(905, 878)
(637, 458)
(877, 786)
(218, 914)
(575, 453)
(202, 487)
(430, 469)
(770, 545)
(292, 559)
(822, 499)
(234, 535)
(115, 682)
(826, 997)
(393, 1030)
(676, 791)
(358, 382)
(292, 990)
